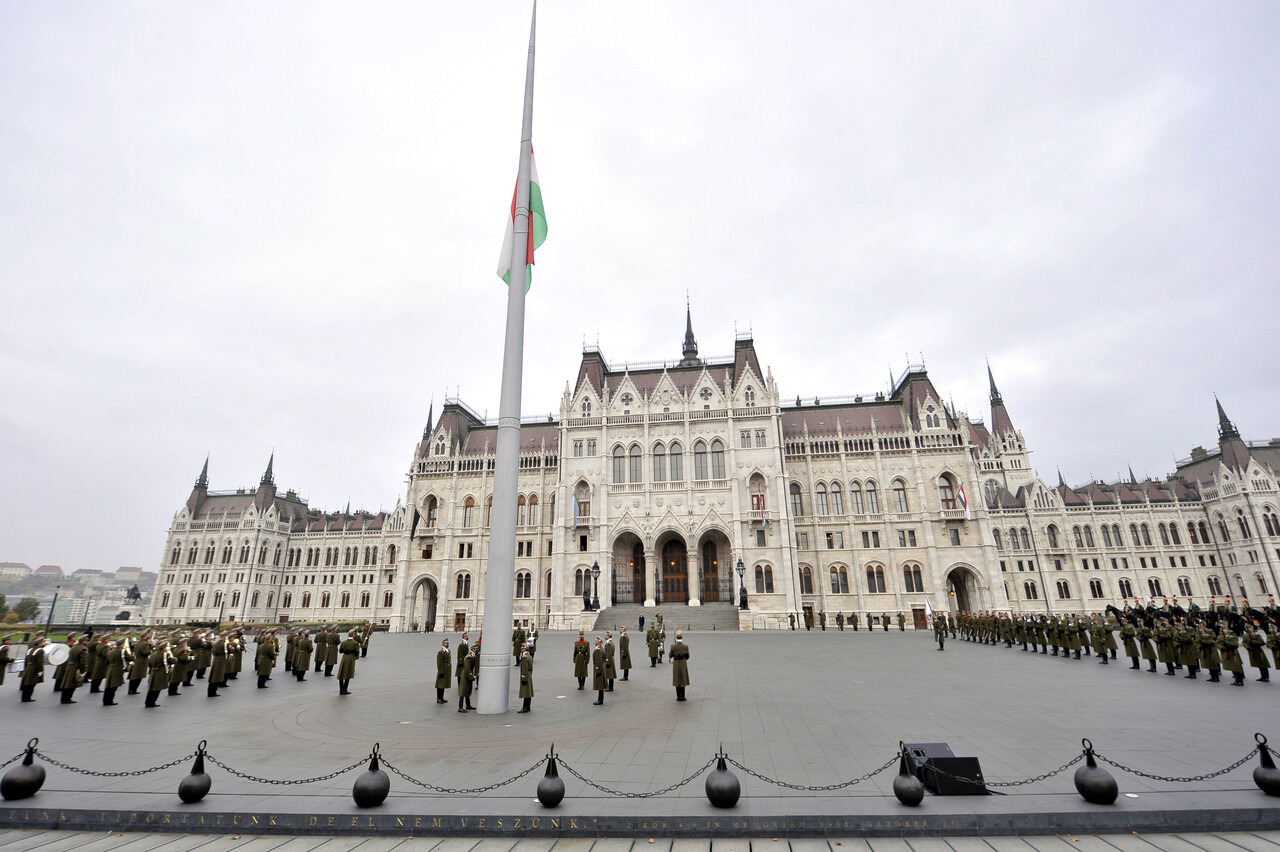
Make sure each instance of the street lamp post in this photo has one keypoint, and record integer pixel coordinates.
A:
(595, 586)
(48, 624)
(742, 585)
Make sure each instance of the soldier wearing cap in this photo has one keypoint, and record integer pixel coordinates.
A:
(33, 669)
(138, 668)
(526, 680)
(651, 640)
(624, 654)
(264, 660)
(350, 650)
(302, 649)
(466, 677)
(113, 672)
(444, 669)
(598, 680)
(680, 665)
(73, 670)
(218, 671)
(582, 657)
(158, 665)
(610, 668)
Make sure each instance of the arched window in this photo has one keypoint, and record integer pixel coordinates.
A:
(875, 579)
(675, 460)
(659, 463)
(797, 503)
(391, 554)
(839, 580)
(469, 512)
(586, 408)
(837, 499)
(1146, 535)
(208, 553)
(226, 553)
(1075, 533)
(873, 498)
(996, 535)
(286, 600)
(433, 510)
(699, 461)
(1064, 590)
(1013, 538)
(1244, 524)
(262, 554)
(900, 496)
(1222, 529)
(345, 600)
(1088, 536)
(581, 581)
(1095, 588)
(1026, 541)
(855, 498)
(1053, 536)
(1204, 533)
(1184, 586)
(522, 512)
(1126, 589)
(717, 459)
(1272, 522)
(244, 552)
(619, 464)
(749, 396)
(346, 556)
(275, 560)
(947, 491)
(1106, 535)
(1164, 535)
(191, 555)
(806, 580)
(199, 598)
(1215, 586)
(1133, 535)
(535, 517)
(764, 580)
(1173, 534)
(820, 498)
(464, 586)
(524, 585)
(364, 599)
(388, 598)
(1029, 589)
(1115, 535)
(182, 599)
(176, 556)
(164, 600)
(373, 555)
(637, 464)
(911, 579)
(325, 599)
(488, 511)
(1153, 586)
(306, 599)
(1261, 581)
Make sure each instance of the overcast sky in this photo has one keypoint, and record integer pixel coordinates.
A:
(233, 228)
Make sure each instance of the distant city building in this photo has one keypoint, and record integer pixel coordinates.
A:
(49, 572)
(75, 610)
(667, 475)
(15, 570)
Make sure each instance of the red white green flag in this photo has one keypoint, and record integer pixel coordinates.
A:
(537, 228)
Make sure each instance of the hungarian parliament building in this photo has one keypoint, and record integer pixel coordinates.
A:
(688, 482)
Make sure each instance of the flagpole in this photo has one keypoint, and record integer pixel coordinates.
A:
(499, 583)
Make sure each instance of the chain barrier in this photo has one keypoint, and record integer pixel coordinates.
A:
(457, 791)
(624, 794)
(1178, 779)
(47, 759)
(818, 788)
(17, 756)
(1063, 768)
(249, 777)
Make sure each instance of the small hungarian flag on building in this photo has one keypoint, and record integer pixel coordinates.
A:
(537, 228)
(964, 501)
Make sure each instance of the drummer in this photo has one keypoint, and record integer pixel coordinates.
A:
(5, 658)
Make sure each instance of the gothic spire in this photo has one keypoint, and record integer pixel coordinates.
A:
(267, 477)
(1132, 478)
(1226, 429)
(1061, 482)
(203, 480)
(995, 392)
(690, 351)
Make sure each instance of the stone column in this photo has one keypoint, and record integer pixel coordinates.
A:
(695, 579)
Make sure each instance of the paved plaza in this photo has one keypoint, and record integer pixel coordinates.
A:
(807, 708)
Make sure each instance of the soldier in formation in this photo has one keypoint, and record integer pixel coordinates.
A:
(444, 668)
(350, 651)
(526, 679)
(582, 657)
(680, 666)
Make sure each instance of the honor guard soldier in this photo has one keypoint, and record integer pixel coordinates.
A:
(840, 621)
(1230, 653)
(264, 660)
(680, 666)
(32, 669)
(582, 656)
(461, 658)
(902, 623)
(853, 621)
(1254, 642)
(610, 669)
(138, 668)
(365, 635)
(218, 669)
(517, 642)
(1210, 659)
(113, 673)
(526, 679)
(331, 651)
(5, 659)
(466, 678)
(651, 644)
(158, 667)
(598, 680)
(624, 654)
(940, 630)
(444, 670)
(73, 670)
(350, 650)
(822, 620)
(302, 655)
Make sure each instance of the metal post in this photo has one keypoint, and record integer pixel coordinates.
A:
(499, 587)
(49, 624)
(595, 586)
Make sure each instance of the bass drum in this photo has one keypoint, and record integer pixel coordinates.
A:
(56, 653)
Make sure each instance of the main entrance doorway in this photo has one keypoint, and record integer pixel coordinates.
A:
(710, 572)
(628, 571)
(675, 572)
(962, 588)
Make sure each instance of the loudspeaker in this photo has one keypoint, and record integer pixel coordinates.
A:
(919, 755)
(951, 783)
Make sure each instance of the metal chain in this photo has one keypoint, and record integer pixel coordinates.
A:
(819, 788)
(249, 777)
(12, 759)
(623, 794)
(457, 791)
(47, 759)
(1181, 780)
(1063, 768)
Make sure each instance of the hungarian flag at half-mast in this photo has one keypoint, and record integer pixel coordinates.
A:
(537, 228)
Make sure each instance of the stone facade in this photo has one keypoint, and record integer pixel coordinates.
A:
(669, 476)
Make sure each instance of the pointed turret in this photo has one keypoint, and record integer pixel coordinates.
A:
(690, 350)
(1132, 478)
(1001, 423)
(266, 492)
(1062, 483)
(995, 392)
(1235, 452)
(1226, 429)
(200, 490)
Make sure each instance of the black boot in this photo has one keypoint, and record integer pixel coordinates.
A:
(95, 686)
(153, 698)
(1266, 676)
(1239, 678)
(342, 687)
(300, 674)
(626, 675)
(212, 690)
(582, 682)
(1044, 649)
(1168, 669)
(1152, 669)
(461, 709)
(653, 662)
(1191, 673)
(27, 691)
(1055, 650)
(525, 708)
(133, 687)
(1078, 654)
(1102, 659)
(262, 682)
(187, 683)
(109, 696)
(318, 665)
(599, 697)
(200, 673)
(173, 689)
(680, 693)
(469, 707)
(1135, 663)
(1113, 653)
(328, 669)
(1214, 675)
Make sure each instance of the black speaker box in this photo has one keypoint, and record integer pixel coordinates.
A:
(963, 776)
(919, 754)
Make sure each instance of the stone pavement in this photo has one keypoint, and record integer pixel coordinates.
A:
(807, 708)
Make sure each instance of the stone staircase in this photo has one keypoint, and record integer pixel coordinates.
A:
(709, 616)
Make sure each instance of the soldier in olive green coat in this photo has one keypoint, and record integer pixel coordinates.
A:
(624, 654)
(526, 680)
(680, 666)
(265, 661)
(598, 680)
(350, 650)
(113, 674)
(466, 677)
(302, 649)
(158, 666)
(331, 651)
(33, 669)
(651, 640)
(1230, 646)
(1254, 642)
(444, 668)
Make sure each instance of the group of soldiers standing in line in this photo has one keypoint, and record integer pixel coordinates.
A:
(1178, 638)
(853, 620)
(606, 660)
(168, 661)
